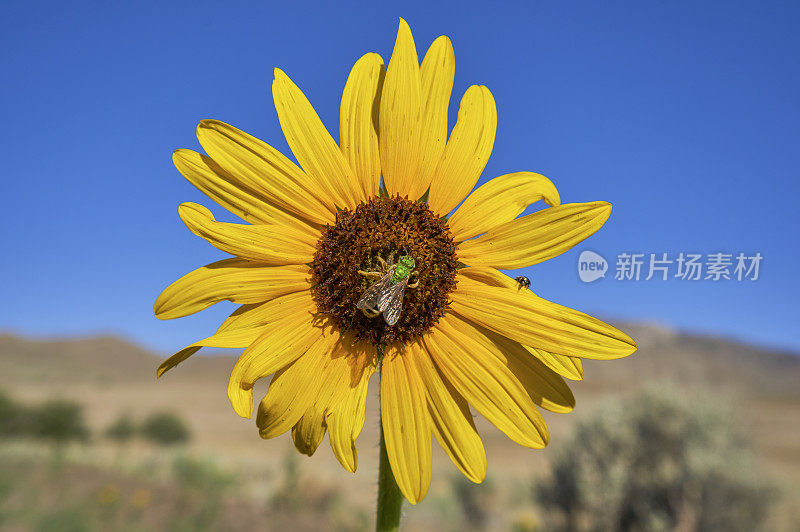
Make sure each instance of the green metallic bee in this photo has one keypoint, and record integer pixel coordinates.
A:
(386, 295)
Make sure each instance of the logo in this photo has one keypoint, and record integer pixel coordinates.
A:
(591, 266)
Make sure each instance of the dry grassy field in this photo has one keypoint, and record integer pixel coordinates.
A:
(111, 377)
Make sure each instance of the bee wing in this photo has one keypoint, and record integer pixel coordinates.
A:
(390, 301)
(369, 300)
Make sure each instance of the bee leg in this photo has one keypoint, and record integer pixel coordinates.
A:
(416, 281)
(383, 264)
(371, 275)
(391, 258)
(371, 313)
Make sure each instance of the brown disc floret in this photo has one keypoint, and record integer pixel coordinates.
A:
(384, 227)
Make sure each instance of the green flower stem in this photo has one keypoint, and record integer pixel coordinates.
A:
(390, 500)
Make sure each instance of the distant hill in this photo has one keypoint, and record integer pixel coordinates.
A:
(87, 359)
(68, 360)
(697, 362)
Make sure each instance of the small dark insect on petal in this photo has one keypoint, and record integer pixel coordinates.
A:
(522, 282)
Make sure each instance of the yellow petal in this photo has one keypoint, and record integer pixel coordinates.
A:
(358, 118)
(176, 359)
(270, 244)
(467, 359)
(568, 366)
(546, 388)
(466, 152)
(270, 352)
(533, 321)
(290, 331)
(499, 201)
(535, 238)
(312, 145)
(348, 362)
(346, 421)
(406, 424)
(239, 330)
(289, 395)
(236, 280)
(400, 119)
(309, 431)
(451, 419)
(343, 371)
(255, 316)
(293, 390)
(262, 168)
(437, 73)
(234, 195)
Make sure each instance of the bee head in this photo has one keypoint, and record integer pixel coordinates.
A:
(407, 261)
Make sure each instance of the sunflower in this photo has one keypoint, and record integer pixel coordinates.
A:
(320, 233)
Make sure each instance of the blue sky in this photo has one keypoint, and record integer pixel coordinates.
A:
(684, 115)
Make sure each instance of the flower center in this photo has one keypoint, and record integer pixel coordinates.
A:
(378, 238)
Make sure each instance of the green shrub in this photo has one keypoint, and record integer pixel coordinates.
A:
(66, 520)
(121, 430)
(164, 428)
(58, 420)
(12, 417)
(655, 462)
